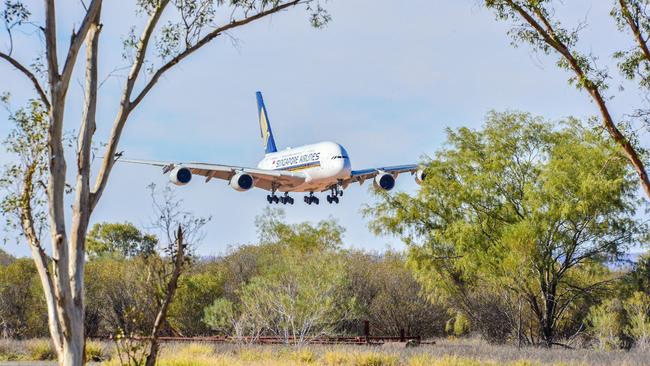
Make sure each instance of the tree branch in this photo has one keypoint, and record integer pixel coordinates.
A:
(127, 105)
(123, 113)
(548, 34)
(627, 14)
(210, 36)
(50, 44)
(41, 259)
(81, 210)
(77, 40)
(30, 75)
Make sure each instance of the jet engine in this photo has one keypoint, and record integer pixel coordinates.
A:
(420, 175)
(241, 182)
(384, 181)
(180, 176)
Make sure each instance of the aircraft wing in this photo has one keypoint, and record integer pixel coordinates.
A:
(364, 174)
(262, 178)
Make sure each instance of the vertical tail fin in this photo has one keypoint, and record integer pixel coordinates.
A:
(265, 126)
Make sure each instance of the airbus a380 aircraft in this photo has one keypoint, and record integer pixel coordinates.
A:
(320, 167)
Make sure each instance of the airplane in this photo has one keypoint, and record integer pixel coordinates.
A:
(314, 168)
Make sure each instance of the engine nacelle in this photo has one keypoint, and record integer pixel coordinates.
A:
(384, 181)
(241, 182)
(420, 176)
(180, 176)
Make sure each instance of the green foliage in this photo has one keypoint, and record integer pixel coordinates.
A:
(290, 285)
(638, 314)
(220, 315)
(518, 209)
(22, 305)
(383, 284)
(607, 324)
(299, 295)
(325, 235)
(458, 326)
(120, 294)
(121, 239)
(25, 178)
(640, 275)
(195, 292)
(633, 64)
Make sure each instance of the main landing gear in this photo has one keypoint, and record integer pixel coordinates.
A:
(311, 199)
(334, 196)
(285, 199)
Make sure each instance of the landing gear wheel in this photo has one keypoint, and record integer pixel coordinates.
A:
(269, 199)
(329, 199)
(311, 199)
(335, 199)
(283, 200)
(276, 199)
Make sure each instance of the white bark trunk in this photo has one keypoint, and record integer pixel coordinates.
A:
(62, 275)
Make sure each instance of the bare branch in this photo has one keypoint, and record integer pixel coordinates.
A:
(77, 40)
(81, 208)
(125, 108)
(127, 105)
(206, 39)
(50, 43)
(30, 75)
(41, 259)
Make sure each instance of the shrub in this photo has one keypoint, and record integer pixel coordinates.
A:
(40, 350)
(95, 352)
(638, 312)
(336, 358)
(608, 324)
(458, 325)
(375, 359)
(303, 355)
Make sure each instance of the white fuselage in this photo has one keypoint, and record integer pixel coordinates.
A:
(324, 164)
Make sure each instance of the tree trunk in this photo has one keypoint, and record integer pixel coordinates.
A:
(62, 274)
(547, 323)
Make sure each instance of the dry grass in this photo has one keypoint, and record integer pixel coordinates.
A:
(445, 353)
(461, 352)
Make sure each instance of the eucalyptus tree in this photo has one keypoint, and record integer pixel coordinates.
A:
(536, 23)
(174, 31)
(519, 209)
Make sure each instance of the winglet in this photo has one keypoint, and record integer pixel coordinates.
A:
(265, 126)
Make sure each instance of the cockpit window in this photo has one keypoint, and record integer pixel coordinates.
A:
(339, 157)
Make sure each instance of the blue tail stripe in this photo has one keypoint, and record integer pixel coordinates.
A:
(265, 126)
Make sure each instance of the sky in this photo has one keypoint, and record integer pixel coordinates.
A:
(384, 79)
